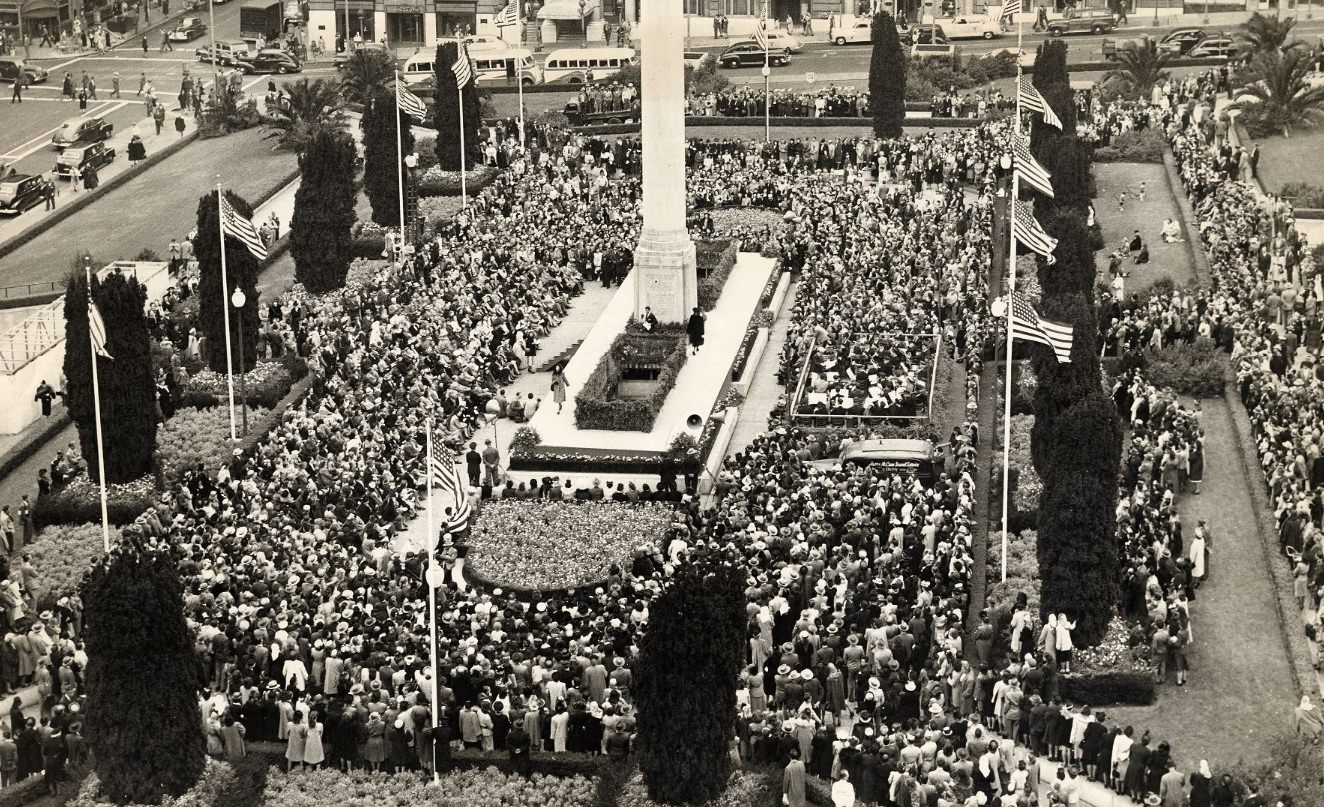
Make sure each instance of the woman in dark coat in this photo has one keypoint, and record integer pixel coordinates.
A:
(694, 329)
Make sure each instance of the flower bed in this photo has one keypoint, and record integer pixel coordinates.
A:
(1198, 370)
(216, 779)
(263, 386)
(1022, 577)
(79, 502)
(437, 211)
(714, 260)
(61, 556)
(1026, 486)
(744, 789)
(597, 405)
(1133, 147)
(1118, 671)
(436, 182)
(367, 239)
(542, 545)
(196, 436)
(470, 788)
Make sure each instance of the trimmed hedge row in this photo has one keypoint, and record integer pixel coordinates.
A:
(596, 405)
(715, 259)
(1110, 689)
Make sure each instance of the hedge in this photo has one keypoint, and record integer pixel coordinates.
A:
(1109, 689)
(597, 407)
(1146, 146)
(715, 260)
(1198, 369)
(79, 502)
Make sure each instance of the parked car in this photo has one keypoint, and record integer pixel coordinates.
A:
(82, 156)
(11, 66)
(189, 29)
(81, 130)
(1081, 21)
(344, 56)
(971, 27)
(749, 54)
(1111, 47)
(782, 39)
(1215, 47)
(1179, 41)
(846, 29)
(227, 53)
(270, 60)
(929, 34)
(20, 192)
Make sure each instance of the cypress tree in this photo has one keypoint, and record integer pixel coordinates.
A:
(241, 269)
(446, 113)
(380, 166)
(324, 211)
(887, 78)
(128, 393)
(686, 675)
(142, 676)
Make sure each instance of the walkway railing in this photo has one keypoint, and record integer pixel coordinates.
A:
(42, 330)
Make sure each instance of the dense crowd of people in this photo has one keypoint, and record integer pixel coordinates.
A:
(751, 101)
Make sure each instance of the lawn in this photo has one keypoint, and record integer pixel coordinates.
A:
(1171, 260)
(1240, 675)
(1292, 159)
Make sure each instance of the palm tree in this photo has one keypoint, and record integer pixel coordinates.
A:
(1286, 98)
(1140, 66)
(1261, 34)
(366, 70)
(308, 105)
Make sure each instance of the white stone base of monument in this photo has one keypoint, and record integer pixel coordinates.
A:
(698, 385)
(664, 265)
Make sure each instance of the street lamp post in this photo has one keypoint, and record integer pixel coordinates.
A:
(237, 300)
(215, 69)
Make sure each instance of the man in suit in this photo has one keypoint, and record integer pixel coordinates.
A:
(1170, 788)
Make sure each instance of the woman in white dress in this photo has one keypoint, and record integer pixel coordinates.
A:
(313, 753)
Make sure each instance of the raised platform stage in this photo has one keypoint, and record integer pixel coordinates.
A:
(698, 385)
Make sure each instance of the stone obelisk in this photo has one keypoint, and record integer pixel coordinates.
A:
(664, 260)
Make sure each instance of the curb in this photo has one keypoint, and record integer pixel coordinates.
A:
(65, 211)
(1194, 246)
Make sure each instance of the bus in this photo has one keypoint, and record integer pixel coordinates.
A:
(491, 66)
(578, 65)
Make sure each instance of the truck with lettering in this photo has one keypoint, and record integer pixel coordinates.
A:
(261, 18)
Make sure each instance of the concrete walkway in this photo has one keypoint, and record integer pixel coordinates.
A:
(765, 389)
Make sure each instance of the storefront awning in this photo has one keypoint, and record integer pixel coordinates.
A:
(567, 10)
(40, 9)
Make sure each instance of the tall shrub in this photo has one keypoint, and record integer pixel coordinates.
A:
(142, 676)
(324, 211)
(887, 78)
(128, 394)
(241, 270)
(380, 163)
(686, 675)
(446, 113)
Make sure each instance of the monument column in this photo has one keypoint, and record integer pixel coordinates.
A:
(664, 260)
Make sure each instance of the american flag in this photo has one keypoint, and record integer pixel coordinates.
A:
(1031, 172)
(235, 225)
(464, 71)
(446, 480)
(409, 103)
(1010, 8)
(507, 16)
(1029, 232)
(96, 327)
(1027, 325)
(760, 29)
(1031, 99)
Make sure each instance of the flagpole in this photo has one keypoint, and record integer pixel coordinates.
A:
(96, 408)
(461, 53)
(432, 608)
(767, 77)
(1011, 326)
(225, 307)
(399, 169)
(519, 69)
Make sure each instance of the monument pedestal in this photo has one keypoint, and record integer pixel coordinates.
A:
(664, 267)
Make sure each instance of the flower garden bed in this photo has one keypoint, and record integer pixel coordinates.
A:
(436, 182)
(1119, 671)
(202, 436)
(467, 788)
(367, 240)
(598, 405)
(61, 556)
(522, 545)
(79, 502)
(264, 385)
(217, 778)
(746, 788)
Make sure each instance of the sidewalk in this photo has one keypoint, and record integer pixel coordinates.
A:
(118, 41)
(119, 141)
